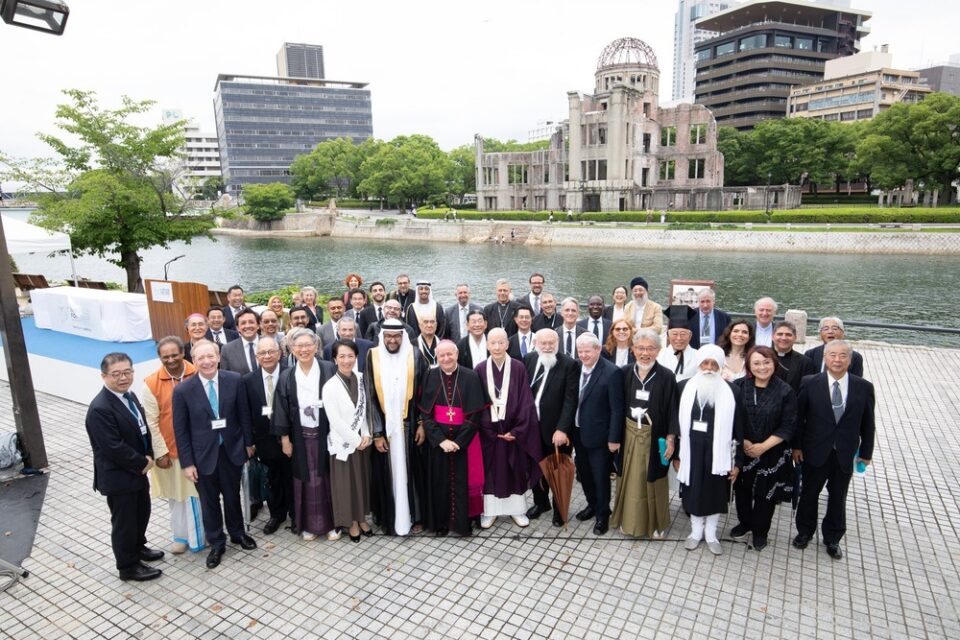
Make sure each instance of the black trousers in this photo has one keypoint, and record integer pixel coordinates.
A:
(594, 465)
(754, 511)
(837, 482)
(541, 490)
(129, 515)
(223, 482)
(280, 478)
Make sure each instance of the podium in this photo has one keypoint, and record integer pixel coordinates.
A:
(169, 304)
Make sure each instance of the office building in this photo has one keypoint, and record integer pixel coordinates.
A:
(685, 36)
(763, 48)
(944, 77)
(296, 60)
(263, 123)
(856, 87)
(200, 155)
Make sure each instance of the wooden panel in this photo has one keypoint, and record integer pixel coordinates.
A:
(167, 318)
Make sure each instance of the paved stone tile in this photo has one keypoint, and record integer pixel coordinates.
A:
(899, 577)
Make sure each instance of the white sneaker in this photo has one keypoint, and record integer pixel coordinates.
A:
(487, 521)
(521, 520)
(308, 536)
(332, 535)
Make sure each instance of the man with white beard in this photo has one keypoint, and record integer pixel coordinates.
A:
(398, 467)
(710, 430)
(553, 379)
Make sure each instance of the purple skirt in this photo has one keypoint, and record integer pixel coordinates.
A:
(313, 508)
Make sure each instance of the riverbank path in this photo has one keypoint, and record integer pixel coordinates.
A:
(899, 576)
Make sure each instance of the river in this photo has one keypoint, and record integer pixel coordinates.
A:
(873, 288)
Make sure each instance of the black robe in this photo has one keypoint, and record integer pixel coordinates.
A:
(383, 505)
(792, 367)
(285, 420)
(661, 406)
(447, 503)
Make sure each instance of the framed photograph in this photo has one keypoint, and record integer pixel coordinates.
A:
(687, 291)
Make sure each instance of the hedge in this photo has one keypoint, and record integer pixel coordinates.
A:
(875, 215)
(346, 203)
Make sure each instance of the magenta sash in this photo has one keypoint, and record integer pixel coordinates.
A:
(445, 414)
(475, 478)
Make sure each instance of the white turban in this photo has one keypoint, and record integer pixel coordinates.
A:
(712, 352)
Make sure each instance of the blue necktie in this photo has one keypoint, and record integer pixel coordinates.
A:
(523, 346)
(136, 414)
(214, 401)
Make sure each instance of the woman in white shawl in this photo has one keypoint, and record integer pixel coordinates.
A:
(345, 403)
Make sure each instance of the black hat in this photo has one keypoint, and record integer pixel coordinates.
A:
(679, 316)
(639, 280)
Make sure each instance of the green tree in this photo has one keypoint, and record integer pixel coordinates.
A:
(464, 178)
(118, 198)
(739, 157)
(492, 145)
(267, 202)
(913, 141)
(791, 150)
(364, 150)
(212, 188)
(329, 164)
(406, 170)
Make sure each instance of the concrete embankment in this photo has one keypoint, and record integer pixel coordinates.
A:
(909, 240)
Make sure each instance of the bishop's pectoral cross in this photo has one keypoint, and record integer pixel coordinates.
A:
(450, 414)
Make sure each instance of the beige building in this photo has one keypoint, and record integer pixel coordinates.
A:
(856, 87)
(617, 151)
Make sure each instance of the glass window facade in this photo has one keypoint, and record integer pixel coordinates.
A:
(753, 42)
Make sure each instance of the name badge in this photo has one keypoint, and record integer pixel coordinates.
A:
(219, 424)
(700, 425)
(434, 366)
(266, 411)
(643, 395)
(143, 429)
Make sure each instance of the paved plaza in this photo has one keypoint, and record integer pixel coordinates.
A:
(899, 576)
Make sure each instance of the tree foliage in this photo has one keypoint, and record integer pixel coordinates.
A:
(118, 198)
(330, 165)
(406, 170)
(267, 202)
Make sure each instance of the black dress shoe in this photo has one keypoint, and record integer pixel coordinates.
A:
(601, 527)
(213, 559)
(586, 514)
(557, 520)
(536, 511)
(246, 542)
(367, 534)
(150, 555)
(272, 525)
(442, 533)
(759, 542)
(140, 573)
(833, 550)
(801, 541)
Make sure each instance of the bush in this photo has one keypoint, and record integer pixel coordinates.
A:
(345, 203)
(286, 293)
(266, 202)
(861, 215)
(386, 222)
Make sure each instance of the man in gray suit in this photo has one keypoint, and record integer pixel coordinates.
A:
(457, 313)
(240, 356)
(328, 330)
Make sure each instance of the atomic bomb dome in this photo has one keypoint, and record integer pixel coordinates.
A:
(627, 51)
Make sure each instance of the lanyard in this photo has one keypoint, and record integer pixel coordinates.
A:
(643, 385)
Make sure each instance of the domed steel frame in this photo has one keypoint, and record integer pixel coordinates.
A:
(627, 51)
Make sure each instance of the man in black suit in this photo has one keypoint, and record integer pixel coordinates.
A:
(234, 306)
(595, 323)
(792, 366)
(473, 347)
(402, 294)
(122, 455)
(211, 422)
(707, 326)
(598, 429)
(532, 299)
(553, 381)
(522, 343)
(373, 312)
(240, 355)
(835, 424)
(500, 313)
(548, 318)
(570, 330)
(260, 386)
(832, 329)
(216, 332)
(456, 314)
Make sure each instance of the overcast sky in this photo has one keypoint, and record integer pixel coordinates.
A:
(447, 69)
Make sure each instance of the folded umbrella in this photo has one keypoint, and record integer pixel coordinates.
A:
(558, 471)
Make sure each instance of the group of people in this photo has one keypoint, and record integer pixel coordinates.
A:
(388, 410)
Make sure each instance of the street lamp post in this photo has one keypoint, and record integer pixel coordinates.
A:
(39, 15)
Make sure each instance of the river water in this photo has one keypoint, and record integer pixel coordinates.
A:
(873, 288)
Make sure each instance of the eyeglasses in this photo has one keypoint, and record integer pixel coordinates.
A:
(268, 352)
(647, 349)
(831, 327)
(116, 375)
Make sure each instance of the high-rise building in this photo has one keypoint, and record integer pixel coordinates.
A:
(944, 77)
(765, 47)
(200, 155)
(685, 36)
(856, 87)
(263, 123)
(295, 60)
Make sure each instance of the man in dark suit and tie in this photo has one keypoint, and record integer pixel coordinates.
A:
(122, 455)
(570, 330)
(328, 331)
(522, 342)
(456, 314)
(553, 381)
(595, 323)
(260, 386)
(598, 429)
(532, 299)
(708, 324)
(373, 312)
(211, 422)
(832, 329)
(835, 429)
(240, 356)
(216, 332)
(234, 306)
